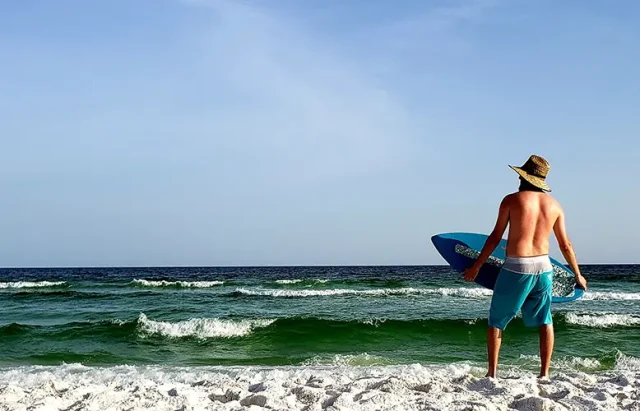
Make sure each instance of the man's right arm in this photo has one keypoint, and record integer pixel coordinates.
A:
(566, 248)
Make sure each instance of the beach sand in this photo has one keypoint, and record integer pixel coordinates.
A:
(409, 387)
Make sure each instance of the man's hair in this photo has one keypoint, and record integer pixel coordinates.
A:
(527, 186)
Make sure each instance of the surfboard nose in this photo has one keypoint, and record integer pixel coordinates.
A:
(438, 242)
(442, 242)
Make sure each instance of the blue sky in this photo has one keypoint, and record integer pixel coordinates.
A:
(207, 132)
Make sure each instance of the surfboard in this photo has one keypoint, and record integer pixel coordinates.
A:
(461, 249)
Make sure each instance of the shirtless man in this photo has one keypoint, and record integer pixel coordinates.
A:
(525, 280)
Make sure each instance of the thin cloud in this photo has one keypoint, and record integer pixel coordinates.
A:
(434, 28)
(295, 105)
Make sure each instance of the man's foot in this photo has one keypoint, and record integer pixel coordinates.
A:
(543, 376)
(490, 375)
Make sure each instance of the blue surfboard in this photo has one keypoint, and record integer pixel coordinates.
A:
(461, 249)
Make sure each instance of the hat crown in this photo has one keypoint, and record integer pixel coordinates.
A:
(537, 166)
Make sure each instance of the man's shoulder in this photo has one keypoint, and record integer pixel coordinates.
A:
(508, 201)
(554, 203)
(510, 197)
(551, 200)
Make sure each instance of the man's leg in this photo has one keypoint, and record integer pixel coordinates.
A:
(546, 348)
(494, 340)
(536, 312)
(509, 293)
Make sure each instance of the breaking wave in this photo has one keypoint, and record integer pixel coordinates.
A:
(175, 284)
(201, 327)
(32, 284)
(453, 292)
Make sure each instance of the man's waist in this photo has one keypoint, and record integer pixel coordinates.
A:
(528, 265)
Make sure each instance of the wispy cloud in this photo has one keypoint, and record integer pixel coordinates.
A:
(293, 103)
(447, 17)
(433, 28)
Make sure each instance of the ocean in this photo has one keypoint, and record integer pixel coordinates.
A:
(336, 338)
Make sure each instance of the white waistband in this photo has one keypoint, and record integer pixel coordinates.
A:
(528, 265)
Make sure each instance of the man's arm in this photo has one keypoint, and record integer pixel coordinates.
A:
(492, 241)
(567, 249)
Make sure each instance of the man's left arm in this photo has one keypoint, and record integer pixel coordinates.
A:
(492, 241)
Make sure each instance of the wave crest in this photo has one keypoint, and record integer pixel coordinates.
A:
(32, 284)
(177, 284)
(301, 280)
(609, 295)
(201, 327)
(603, 320)
(453, 292)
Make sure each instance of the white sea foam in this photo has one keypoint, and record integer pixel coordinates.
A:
(201, 327)
(295, 281)
(566, 362)
(288, 281)
(455, 292)
(627, 363)
(185, 284)
(342, 360)
(610, 295)
(398, 388)
(603, 320)
(375, 321)
(463, 292)
(299, 280)
(31, 284)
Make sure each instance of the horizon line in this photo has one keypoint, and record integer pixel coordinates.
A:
(259, 266)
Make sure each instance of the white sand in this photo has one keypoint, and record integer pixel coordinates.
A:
(454, 387)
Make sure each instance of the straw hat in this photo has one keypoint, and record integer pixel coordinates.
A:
(535, 171)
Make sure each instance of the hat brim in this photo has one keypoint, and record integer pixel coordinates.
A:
(536, 181)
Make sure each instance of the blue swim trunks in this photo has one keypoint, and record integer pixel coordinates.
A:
(524, 283)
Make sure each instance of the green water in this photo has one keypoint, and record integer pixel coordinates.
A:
(294, 316)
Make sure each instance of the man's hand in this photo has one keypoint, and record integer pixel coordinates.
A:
(471, 273)
(581, 282)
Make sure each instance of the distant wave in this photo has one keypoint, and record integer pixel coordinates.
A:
(455, 292)
(610, 295)
(51, 294)
(305, 281)
(330, 283)
(176, 284)
(324, 282)
(288, 281)
(32, 284)
(603, 320)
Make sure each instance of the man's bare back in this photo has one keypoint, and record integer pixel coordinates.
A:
(532, 216)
